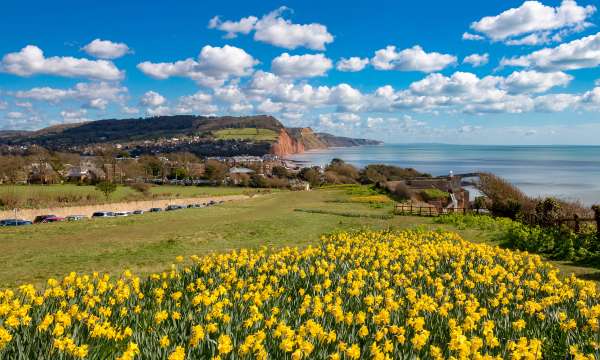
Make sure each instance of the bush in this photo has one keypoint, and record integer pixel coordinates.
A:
(141, 187)
(340, 172)
(375, 173)
(560, 243)
(280, 171)
(312, 175)
(107, 188)
(510, 208)
(402, 192)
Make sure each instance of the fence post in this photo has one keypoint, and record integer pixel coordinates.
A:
(596, 209)
(577, 227)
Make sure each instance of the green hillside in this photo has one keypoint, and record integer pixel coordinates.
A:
(250, 134)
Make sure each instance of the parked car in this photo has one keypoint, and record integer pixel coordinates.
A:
(14, 222)
(194, 206)
(122, 213)
(40, 218)
(173, 207)
(138, 212)
(75, 217)
(103, 214)
(51, 219)
(155, 210)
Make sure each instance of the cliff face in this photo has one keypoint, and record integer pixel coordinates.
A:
(286, 145)
(298, 140)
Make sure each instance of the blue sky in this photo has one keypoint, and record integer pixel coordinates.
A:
(509, 72)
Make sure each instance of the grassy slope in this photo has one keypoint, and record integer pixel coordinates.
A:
(71, 195)
(246, 134)
(151, 241)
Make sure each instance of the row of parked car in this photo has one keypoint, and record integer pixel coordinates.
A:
(45, 219)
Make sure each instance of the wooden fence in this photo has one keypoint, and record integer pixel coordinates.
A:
(411, 209)
(575, 222)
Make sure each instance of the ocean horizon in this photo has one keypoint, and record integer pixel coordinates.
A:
(569, 172)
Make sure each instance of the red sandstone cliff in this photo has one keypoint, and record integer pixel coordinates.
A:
(286, 145)
(297, 140)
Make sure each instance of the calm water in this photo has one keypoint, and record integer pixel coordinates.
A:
(568, 172)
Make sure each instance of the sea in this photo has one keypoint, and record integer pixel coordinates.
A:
(562, 171)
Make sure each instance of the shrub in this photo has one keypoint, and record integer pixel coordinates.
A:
(107, 188)
(402, 192)
(141, 187)
(374, 173)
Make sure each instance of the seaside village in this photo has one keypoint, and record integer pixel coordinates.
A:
(417, 192)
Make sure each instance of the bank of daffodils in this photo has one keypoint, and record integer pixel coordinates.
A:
(367, 295)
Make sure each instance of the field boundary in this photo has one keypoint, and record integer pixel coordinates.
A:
(88, 210)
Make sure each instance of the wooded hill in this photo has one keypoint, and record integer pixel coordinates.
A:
(203, 131)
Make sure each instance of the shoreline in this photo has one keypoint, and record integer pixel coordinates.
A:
(569, 172)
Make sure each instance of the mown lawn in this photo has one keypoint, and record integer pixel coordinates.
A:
(150, 242)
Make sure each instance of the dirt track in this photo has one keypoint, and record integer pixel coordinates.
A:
(88, 210)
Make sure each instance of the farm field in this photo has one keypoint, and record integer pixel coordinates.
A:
(42, 196)
(246, 134)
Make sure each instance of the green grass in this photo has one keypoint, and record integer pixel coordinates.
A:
(41, 196)
(150, 242)
(246, 134)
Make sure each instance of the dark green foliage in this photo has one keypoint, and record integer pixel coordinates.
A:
(258, 181)
(555, 242)
(106, 187)
(480, 202)
(509, 208)
(215, 171)
(375, 173)
(312, 175)
(280, 171)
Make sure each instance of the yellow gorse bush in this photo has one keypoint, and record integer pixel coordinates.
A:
(365, 295)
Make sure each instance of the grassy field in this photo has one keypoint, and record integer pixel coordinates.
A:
(150, 242)
(246, 134)
(42, 196)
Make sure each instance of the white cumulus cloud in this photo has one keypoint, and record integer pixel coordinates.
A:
(469, 36)
(81, 91)
(153, 99)
(477, 59)
(274, 29)
(412, 59)
(31, 61)
(106, 49)
(577, 54)
(352, 64)
(294, 66)
(533, 81)
(214, 66)
(537, 19)
(232, 28)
